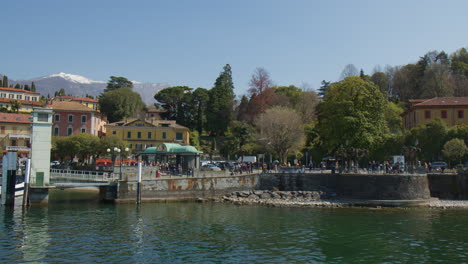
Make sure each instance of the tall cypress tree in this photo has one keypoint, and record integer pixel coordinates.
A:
(221, 102)
(5, 81)
(33, 87)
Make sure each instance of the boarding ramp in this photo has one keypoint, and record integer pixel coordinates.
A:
(63, 178)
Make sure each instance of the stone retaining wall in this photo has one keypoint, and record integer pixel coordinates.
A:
(354, 186)
(449, 186)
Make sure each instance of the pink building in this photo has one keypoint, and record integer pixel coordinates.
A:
(72, 117)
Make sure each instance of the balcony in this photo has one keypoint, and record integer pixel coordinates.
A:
(19, 135)
(17, 148)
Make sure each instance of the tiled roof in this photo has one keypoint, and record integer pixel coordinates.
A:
(157, 123)
(17, 90)
(70, 106)
(14, 118)
(23, 102)
(72, 98)
(445, 101)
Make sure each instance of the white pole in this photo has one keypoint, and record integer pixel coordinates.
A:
(139, 184)
(26, 182)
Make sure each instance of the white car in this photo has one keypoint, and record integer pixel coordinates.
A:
(55, 163)
(210, 167)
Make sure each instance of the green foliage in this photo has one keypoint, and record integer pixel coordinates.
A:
(15, 106)
(83, 145)
(61, 92)
(323, 88)
(393, 117)
(118, 82)
(120, 104)
(239, 140)
(430, 138)
(17, 86)
(292, 92)
(5, 81)
(33, 87)
(381, 80)
(109, 142)
(195, 139)
(200, 98)
(352, 114)
(175, 100)
(221, 103)
(454, 150)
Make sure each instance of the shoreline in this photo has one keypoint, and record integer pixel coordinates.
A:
(314, 199)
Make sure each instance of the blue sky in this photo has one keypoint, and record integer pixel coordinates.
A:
(188, 42)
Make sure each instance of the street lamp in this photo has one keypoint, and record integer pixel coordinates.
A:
(114, 152)
(121, 160)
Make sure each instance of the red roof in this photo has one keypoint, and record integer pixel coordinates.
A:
(445, 101)
(72, 98)
(17, 90)
(24, 102)
(14, 118)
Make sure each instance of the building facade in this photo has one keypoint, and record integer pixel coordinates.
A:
(451, 110)
(72, 117)
(26, 99)
(15, 133)
(141, 134)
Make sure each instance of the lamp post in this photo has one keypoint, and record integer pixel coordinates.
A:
(114, 152)
(121, 160)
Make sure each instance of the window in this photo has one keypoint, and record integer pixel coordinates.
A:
(139, 124)
(57, 118)
(129, 134)
(138, 134)
(443, 114)
(11, 96)
(42, 117)
(165, 125)
(2, 130)
(34, 99)
(3, 95)
(164, 135)
(14, 129)
(130, 146)
(179, 136)
(70, 118)
(56, 131)
(427, 114)
(138, 147)
(26, 97)
(69, 131)
(461, 114)
(83, 119)
(114, 132)
(83, 130)
(13, 142)
(19, 96)
(149, 135)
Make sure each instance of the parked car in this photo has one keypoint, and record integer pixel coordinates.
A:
(210, 167)
(55, 163)
(439, 166)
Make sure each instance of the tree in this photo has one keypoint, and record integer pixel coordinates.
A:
(381, 80)
(15, 106)
(280, 130)
(61, 92)
(454, 150)
(352, 114)
(200, 98)
(109, 142)
(26, 87)
(306, 106)
(323, 88)
(33, 87)
(173, 99)
(393, 117)
(5, 81)
(221, 102)
(430, 138)
(348, 71)
(17, 86)
(86, 146)
(242, 109)
(259, 81)
(437, 81)
(118, 82)
(121, 103)
(239, 139)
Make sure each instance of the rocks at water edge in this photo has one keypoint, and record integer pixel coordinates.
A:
(281, 198)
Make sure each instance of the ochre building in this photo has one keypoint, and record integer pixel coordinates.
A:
(451, 110)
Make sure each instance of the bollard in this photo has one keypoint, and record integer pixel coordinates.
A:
(139, 184)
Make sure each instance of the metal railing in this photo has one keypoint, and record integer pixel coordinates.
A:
(78, 176)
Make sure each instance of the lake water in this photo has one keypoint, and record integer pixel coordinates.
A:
(226, 233)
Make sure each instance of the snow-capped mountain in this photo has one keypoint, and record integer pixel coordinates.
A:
(78, 85)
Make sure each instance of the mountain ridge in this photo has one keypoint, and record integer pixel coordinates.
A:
(77, 85)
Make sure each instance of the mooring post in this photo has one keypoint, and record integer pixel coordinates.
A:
(9, 178)
(26, 182)
(139, 184)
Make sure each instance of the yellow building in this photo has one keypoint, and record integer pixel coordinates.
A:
(26, 99)
(86, 101)
(451, 110)
(15, 133)
(141, 134)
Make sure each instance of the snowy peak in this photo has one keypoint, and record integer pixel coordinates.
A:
(72, 78)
